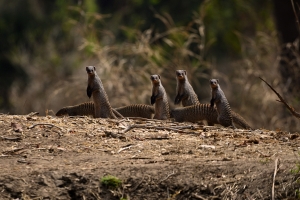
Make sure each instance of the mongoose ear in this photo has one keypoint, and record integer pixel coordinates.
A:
(94, 68)
(217, 80)
(184, 72)
(158, 76)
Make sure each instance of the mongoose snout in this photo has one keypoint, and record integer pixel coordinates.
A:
(90, 69)
(180, 74)
(214, 83)
(155, 78)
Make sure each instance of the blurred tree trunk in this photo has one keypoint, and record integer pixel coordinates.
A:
(288, 30)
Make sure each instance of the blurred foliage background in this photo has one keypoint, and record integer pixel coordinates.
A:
(45, 46)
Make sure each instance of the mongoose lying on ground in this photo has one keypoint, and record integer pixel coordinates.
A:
(83, 109)
(137, 110)
(95, 88)
(200, 112)
(223, 107)
(159, 98)
(184, 90)
(134, 110)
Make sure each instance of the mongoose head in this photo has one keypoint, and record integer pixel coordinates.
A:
(90, 70)
(181, 74)
(155, 78)
(214, 83)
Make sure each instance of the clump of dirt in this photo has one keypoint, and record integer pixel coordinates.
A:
(65, 158)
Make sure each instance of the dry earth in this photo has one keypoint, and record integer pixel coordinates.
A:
(65, 158)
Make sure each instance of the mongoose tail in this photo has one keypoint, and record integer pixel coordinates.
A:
(222, 105)
(240, 121)
(184, 90)
(159, 98)
(95, 88)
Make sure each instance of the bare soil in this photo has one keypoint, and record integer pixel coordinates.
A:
(65, 158)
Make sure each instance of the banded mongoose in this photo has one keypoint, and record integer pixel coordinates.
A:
(200, 112)
(95, 88)
(160, 99)
(184, 90)
(137, 110)
(83, 109)
(218, 97)
(87, 108)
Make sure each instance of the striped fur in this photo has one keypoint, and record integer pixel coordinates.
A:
(196, 113)
(222, 104)
(136, 110)
(184, 90)
(80, 109)
(159, 98)
(200, 112)
(96, 90)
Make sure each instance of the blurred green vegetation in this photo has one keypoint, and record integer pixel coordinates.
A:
(45, 46)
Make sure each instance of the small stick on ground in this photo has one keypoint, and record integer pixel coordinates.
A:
(173, 173)
(45, 124)
(114, 135)
(11, 138)
(175, 128)
(133, 189)
(273, 184)
(127, 147)
(291, 109)
(13, 151)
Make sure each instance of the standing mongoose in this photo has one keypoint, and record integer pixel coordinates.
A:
(200, 112)
(184, 90)
(95, 88)
(222, 105)
(159, 98)
(87, 108)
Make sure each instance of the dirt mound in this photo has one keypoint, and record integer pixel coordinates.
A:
(66, 158)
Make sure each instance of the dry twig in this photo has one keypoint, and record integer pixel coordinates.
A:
(173, 173)
(291, 109)
(13, 151)
(296, 15)
(127, 147)
(11, 138)
(176, 128)
(273, 184)
(114, 135)
(45, 124)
